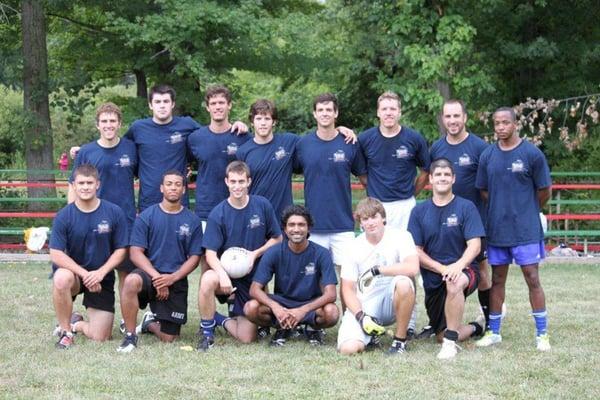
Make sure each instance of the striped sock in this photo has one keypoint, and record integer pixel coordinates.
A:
(208, 327)
(495, 322)
(541, 321)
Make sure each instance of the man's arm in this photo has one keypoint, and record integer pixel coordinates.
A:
(421, 181)
(409, 267)
(349, 135)
(255, 254)
(328, 296)
(281, 313)
(429, 263)
(138, 257)
(455, 269)
(215, 264)
(363, 180)
(96, 276)
(349, 296)
(544, 195)
(239, 127)
(166, 280)
(62, 260)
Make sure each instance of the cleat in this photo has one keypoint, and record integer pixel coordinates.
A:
(449, 350)
(75, 317)
(66, 340)
(262, 332)
(397, 347)
(426, 333)
(280, 337)
(410, 334)
(128, 344)
(542, 342)
(205, 343)
(147, 319)
(314, 336)
(122, 326)
(374, 343)
(489, 339)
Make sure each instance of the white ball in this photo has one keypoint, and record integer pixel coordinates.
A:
(236, 262)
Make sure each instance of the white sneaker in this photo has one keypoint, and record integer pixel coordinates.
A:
(489, 339)
(147, 319)
(449, 350)
(542, 342)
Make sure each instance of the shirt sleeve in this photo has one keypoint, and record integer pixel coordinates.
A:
(264, 270)
(349, 269)
(120, 236)
(541, 171)
(327, 269)
(196, 248)
(139, 233)
(359, 164)
(472, 227)
(414, 228)
(481, 182)
(423, 158)
(213, 238)
(58, 237)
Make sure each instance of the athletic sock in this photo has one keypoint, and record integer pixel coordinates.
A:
(477, 329)
(541, 321)
(403, 340)
(495, 322)
(451, 335)
(412, 324)
(220, 319)
(484, 301)
(208, 327)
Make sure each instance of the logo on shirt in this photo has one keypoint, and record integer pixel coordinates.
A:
(452, 220)
(176, 137)
(184, 230)
(103, 227)
(254, 222)
(464, 160)
(402, 152)
(280, 153)
(339, 156)
(309, 269)
(232, 149)
(124, 161)
(517, 166)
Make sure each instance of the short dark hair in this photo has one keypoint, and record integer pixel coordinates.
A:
(238, 167)
(216, 90)
(173, 172)
(440, 163)
(86, 170)
(510, 110)
(299, 210)
(325, 98)
(161, 89)
(262, 106)
(455, 101)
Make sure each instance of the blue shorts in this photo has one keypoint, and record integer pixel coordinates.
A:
(525, 254)
(310, 318)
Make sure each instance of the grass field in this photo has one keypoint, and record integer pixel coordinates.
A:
(30, 367)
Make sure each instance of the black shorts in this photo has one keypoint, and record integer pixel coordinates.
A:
(310, 318)
(435, 300)
(103, 300)
(169, 312)
(482, 256)
(126, 266)
(241, 296)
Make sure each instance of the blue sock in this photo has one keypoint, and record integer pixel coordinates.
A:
(541, 321)
(220, 319)
(495, 322)
(208, 327)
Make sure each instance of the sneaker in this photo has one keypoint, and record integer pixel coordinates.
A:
(205, 343)
(374, 343)
(263, 332)
(75, 317)
(147, 319)
(449, 350)
(542, 342)
(426, 333)
(280, 337)
(66, 340)
(489, 339)
(128, 344)
(122, 326)
(397, 347)
(314, 336)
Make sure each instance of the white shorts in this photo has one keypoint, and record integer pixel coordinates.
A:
(397, 212)
(336, 243)
(379, 304)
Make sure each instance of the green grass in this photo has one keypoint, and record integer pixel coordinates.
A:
(30, 367)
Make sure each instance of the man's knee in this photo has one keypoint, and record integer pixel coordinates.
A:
(166, 338)
(532, 276)
(331, 314)
(457, 287)
(63, 280)
(132, 284)
(351, 347)
(209, 282)
(251, 309)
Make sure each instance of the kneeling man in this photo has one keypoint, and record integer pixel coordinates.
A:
(89, 239)
(305, 283)
(377, 282)
(447, 230)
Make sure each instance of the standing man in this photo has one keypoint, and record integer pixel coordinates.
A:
(463, 150)
(214, 146)
(166, 245)
(89, 239)
(447, 230)
(377, 282)
(243, 221)
(327, 162)
(514, 178)
(305, 283)
(116, 160)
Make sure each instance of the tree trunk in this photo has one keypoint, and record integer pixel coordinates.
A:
(444, 89)
(38, 131)
(141, 84)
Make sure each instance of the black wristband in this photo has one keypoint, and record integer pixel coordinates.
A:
(375, 270)
(359, 315)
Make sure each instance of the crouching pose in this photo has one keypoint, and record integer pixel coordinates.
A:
(305, 284)
(377, 285)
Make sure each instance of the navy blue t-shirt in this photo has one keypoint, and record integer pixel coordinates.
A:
(214, 151)
(465, 161)
(169, 239)
(271, 167)
(392, 162)
(298, 277)
(160, 148)
(90, 238)
(250, 227)
(443, 232)
(512, 179)
(117, 167)
(327, 166)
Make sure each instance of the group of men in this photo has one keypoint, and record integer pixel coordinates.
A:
(244, 199)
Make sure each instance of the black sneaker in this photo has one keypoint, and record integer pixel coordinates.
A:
(147, 319)
(205, 343)
(374, 343)
(263, 332)
(128, 344)
(66, 340)
(397, 347)
(280, 337)
(314, 336)
(426, 333)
